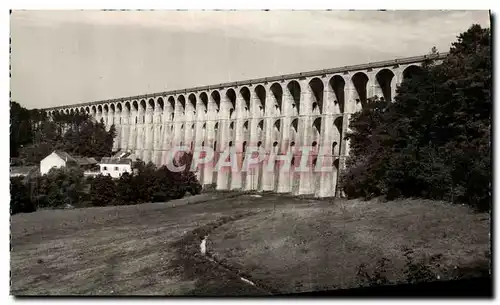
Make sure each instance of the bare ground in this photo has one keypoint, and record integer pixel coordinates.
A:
(284, 244)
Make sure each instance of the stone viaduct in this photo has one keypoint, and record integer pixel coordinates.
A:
(277, 114)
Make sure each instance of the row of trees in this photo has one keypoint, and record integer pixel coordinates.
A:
(434, 141)
(33, 135)
(68, 187)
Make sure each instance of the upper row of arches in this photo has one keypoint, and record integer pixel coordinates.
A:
(270, 100)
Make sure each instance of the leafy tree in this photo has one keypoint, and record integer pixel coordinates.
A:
(103, 191)
(62, 186)
(126, 190)
(20, 128)
(74, 133)
(19, 197)
(434, 140)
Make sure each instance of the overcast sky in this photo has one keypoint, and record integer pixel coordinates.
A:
(70, 57)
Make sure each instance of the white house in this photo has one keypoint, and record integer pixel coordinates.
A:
(115, 167)
(56, 159)
(59, 159)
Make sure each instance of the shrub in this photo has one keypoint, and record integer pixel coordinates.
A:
(103, 191)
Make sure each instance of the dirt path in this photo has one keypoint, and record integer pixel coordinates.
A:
(127, 250)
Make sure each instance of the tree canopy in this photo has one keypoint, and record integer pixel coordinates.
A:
(434, 140)
(34, 135)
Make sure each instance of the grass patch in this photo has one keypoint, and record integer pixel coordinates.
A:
(315, 245)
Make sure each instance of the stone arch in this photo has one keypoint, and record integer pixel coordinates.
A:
(260, 92)
(277, 124)
(204, 101)
(317, 124)
(160, 104)
(337, 135)
(360, 80)
(215, 96)
(260, 126)
(182, 102)
(94, 110)
(87, 109)
(337, 84)
(231, 95)
(112, 108)
(151, 103)
(245, 94)
(294, 128)
(295, 124)
(171, 104)
(142, 105)
(127, 106)
(294, 90)
(277, 92)
(245, 126)
(99, 109)
(192, 101)
(411, 71)
(260, 130)
(276, 134)
(317, 88)
(135, 106)
(385, 79)
(119, 107)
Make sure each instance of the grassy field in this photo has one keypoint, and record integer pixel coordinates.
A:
(283, 244)
(310, 246)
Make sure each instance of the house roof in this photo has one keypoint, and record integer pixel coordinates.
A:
(22, 170)
(65, 156)
(108, 160)
(85, 161)
(122, 154)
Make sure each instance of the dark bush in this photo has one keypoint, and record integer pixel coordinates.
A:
(19, 197)
(103, 191)
(60, 187)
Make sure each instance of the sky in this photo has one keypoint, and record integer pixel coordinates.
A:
(70, 57)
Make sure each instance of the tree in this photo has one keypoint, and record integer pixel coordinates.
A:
(19, 197)
(20, 128)
(62, 186)
(74, 133)
(103, 191)
(434, 140)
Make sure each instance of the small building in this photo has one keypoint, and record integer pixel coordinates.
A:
(57, 159)
(60, 159)
(23, 171)
(115, 167)
(90, 166)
